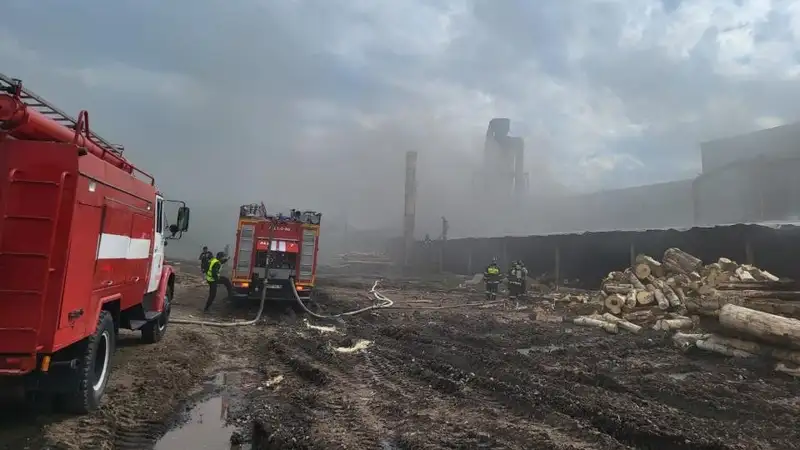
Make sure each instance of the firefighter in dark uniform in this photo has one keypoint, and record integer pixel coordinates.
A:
(205, 258)
(491, 277)
(515, 281)
(524, 275)
(213, 278)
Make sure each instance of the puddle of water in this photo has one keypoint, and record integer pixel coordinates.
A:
(206, 428)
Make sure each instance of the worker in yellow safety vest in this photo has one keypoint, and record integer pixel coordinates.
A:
(213, 278)
(491, 278)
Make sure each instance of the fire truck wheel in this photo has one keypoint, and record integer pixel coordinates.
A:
(155, 330)
(94, 368)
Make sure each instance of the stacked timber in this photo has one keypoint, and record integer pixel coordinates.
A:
(753, 313)
(748, 333)
(672, 292)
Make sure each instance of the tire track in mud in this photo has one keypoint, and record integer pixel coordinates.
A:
(455, 380)
(581, 394)
(333, 402)
(448, 413)
(149, 383)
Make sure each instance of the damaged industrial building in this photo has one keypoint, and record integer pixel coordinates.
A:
(744, 204)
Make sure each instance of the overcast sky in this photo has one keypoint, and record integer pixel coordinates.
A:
(254, 93)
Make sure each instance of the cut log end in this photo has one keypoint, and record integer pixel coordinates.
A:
(642, 271)
(614, 303)
(644, 297)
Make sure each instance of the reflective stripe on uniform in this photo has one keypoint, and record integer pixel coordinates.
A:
(210, 271)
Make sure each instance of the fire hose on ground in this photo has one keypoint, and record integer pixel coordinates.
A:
(385, 303)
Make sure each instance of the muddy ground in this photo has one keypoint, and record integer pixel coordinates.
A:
(469, 377)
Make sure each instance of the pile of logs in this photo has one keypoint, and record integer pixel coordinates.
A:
(751, 312)
(747, 333)
(665, 293)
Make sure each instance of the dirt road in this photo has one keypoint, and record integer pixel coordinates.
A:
(418, 377)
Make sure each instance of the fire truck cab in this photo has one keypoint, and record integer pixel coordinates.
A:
(82, 240)
(274, 251)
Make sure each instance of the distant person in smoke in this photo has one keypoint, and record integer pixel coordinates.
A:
(213, 278)
(205, 259)
(491, 279)
(515, 282)
(517, 277)
(524, 275)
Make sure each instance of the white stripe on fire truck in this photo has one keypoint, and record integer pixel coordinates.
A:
(277, 246)
(115, 246)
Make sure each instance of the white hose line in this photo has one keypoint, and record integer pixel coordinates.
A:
(227, 324)
(386, 303)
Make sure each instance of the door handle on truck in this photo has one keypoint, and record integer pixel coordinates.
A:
(135, 279)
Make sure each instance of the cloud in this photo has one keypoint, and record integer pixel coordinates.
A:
(314, 102)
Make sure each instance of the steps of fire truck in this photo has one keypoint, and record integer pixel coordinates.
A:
(29, 98)
(149, 315)
(28, 270)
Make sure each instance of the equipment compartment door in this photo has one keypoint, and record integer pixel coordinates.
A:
(83, 249)
(139, 250)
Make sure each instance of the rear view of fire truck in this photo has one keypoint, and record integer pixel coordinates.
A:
(275, 252)
(82, 237)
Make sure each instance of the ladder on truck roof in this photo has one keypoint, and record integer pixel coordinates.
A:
(31, 100)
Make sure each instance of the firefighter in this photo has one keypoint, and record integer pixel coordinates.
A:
(517, 280)
(213, 278)
(514, 282)
(491, 277)
(524, 277)
(205, 258)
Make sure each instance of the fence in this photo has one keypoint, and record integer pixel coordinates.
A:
(586, 258)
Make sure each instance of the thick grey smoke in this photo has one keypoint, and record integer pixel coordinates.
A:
(313, 104)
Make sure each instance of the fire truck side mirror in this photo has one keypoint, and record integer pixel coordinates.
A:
(183, 219)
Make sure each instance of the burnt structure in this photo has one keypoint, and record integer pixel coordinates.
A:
(504, 161)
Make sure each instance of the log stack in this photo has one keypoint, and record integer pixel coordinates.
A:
(754, 313)
(671, 293)
(747, 333)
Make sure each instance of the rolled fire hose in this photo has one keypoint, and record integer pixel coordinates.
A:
(385, 303)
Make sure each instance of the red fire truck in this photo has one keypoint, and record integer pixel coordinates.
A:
(274, 251)
(82, 237)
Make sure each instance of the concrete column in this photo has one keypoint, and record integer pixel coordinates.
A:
(411, 206)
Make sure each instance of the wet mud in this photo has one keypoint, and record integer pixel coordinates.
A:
(419, 377)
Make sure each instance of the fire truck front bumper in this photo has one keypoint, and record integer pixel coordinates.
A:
(276, 289)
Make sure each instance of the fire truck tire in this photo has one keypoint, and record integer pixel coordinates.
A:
(94, 369)
(155, 330)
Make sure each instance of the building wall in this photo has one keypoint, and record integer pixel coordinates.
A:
(762, 189)
(782, 140)
(641, 207)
